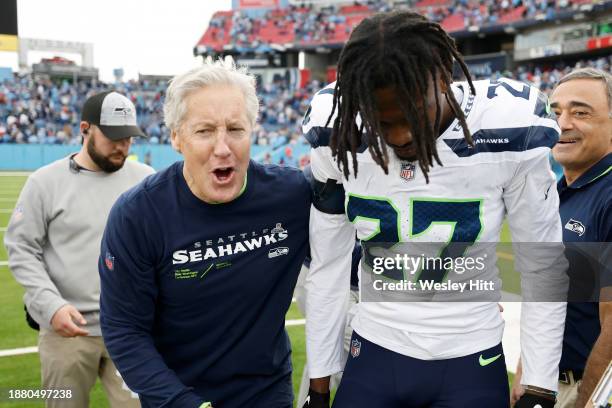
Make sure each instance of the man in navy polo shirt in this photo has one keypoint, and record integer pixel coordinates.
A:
(582, 102)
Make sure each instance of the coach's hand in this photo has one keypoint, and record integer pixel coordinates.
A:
(63, 322)
(316, 400)
(531, 400)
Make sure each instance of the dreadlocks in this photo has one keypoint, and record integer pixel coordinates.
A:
(403, 50)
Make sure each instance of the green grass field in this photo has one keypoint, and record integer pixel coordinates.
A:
(23, 371)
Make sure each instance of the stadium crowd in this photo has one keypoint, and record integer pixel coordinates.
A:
(475, 13)
(305, 24)
(36, 110)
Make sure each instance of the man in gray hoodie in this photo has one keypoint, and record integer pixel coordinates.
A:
(53, 242)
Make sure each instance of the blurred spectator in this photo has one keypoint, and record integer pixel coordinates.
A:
(288, 159)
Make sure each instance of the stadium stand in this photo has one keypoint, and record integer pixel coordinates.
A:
(41, 111)
(331, 25)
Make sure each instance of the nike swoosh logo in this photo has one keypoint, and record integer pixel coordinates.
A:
(307, 402)
(546, 193)
(486, 361)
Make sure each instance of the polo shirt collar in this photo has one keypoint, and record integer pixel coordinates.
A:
(596, 171)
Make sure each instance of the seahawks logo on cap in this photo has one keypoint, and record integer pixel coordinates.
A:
(122, 111)
(575, 226)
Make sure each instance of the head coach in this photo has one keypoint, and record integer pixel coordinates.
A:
(199, 263)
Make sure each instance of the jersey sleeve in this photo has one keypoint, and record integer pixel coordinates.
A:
(317, 132)
(532, 206)
(327, 286)
(332, 239)
(127, 309)
(25, 238)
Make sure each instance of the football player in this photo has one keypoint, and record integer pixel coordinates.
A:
(418, 158)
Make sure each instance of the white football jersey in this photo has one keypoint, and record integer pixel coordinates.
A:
(505, 173)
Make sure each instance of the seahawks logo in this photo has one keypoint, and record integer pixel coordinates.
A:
(575, 226)
(122, 111)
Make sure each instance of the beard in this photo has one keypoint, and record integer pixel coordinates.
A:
(103, 162)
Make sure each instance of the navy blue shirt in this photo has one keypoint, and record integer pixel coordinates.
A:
(586, 217)
(194, 295)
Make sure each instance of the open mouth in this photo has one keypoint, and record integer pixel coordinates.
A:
(223, 174)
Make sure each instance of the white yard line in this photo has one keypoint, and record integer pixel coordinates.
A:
(3, 229)
(6, 210)
(15, 173)
(10, 200)
(3, 263)
(511, 339)
(18, 351)
(30, 350)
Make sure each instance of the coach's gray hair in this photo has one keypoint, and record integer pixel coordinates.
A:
(217, 72)
(592, 73)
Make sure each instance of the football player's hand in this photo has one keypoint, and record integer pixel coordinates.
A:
(316, 399)
(529, 400)
(63, 322)
(516, 392)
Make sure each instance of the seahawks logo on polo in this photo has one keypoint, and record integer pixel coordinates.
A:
(575, 226)
(230, 245)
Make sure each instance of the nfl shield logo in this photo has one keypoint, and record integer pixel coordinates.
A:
(355, 348)
(407, 171)
(17, 214)
(109, 260)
